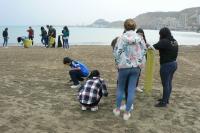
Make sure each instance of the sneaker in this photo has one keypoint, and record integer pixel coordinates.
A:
(161, 104)
(126, 116)
(138, 89)
(75, 86)
(123, 107)
(160, 100)
(95, 108)
(116, 112)
(83, 108)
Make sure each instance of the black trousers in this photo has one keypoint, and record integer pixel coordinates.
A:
(76, 76)
(31, 38)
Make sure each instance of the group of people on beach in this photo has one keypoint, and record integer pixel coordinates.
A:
(48, 37)
(129, 51)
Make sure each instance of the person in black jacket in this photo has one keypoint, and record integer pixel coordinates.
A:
(44, 36)
(168, 50)
(5, 37)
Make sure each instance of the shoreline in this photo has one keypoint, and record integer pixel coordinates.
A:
(88, 44)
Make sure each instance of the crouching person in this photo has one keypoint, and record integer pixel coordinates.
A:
(25, 42)
(77, 73)
(90, 94)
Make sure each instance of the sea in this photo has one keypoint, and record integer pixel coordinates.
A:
(95, 36)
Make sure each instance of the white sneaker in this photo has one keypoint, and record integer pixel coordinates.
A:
(76, 86)
(116, 112)
(123, 107)
(138, 89)
(126, 116)
(83, 108)
(95, 108)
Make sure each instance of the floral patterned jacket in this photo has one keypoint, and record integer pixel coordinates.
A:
(130, 50)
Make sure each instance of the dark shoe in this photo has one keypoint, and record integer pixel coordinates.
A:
(161, 104)
(160, 100)
(81, 79)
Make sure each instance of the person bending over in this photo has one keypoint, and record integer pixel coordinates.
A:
(77, 72)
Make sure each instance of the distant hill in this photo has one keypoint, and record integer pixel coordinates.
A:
(187, 19)
(101, 23)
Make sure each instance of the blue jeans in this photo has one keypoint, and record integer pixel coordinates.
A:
(127, 76)
(166, 73)
(5, 41)
(44, 40)
(65, 43)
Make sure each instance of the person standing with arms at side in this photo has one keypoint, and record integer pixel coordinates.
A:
(128, 57)
(168, 50)
(65, 32)
(30, 34)
(5, 37)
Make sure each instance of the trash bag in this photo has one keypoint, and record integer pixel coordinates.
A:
(27, 43)
(59, 41)
(51, 42)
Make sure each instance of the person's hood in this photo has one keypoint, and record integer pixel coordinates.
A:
(131, 37)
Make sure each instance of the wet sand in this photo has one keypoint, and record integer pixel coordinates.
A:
(35, 96)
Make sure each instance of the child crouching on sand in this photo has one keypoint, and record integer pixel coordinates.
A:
(77, 72)
(90, 94)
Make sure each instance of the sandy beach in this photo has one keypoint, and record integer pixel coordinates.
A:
(35, 96)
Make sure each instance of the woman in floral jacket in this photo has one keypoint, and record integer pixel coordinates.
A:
(128, 53)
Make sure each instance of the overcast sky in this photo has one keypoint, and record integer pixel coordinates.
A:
(73, 12)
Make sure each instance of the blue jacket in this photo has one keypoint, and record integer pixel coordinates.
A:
(84, 69)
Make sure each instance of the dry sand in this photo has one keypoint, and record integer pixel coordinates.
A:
(34, 96)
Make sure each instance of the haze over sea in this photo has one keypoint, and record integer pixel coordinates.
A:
(96, 36)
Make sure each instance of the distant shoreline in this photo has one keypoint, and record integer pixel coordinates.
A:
(98, 45)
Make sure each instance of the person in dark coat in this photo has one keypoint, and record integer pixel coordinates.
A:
(5, 37)
(44, 36)
(168, 50)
